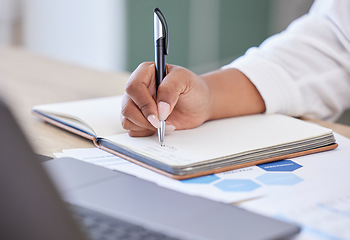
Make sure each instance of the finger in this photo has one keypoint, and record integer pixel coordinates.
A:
(128, 125)
(141, 89)
(174, 84)
(132, 113)
(143, 133)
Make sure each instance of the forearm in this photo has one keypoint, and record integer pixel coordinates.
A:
(232, 94)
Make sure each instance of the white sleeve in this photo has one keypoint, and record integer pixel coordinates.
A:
(305, 70)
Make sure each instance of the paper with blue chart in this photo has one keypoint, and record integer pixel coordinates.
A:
(321, 207)
(227, 187)
(232, 186)
(313, 190)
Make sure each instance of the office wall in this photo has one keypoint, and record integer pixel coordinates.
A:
(243, 24)
(9, 22)
(204, 34)
(118, 34)
(88, 33)
(140, 30)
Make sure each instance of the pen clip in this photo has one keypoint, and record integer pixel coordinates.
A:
(164, 27)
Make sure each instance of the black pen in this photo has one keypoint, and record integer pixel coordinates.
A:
(161, 44)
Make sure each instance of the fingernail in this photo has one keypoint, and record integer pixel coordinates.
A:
(163, 110)
(169, 128)
(154, 121)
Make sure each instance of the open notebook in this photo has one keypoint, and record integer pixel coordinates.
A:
(213, 147)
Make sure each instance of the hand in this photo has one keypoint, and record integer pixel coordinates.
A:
(183, 99)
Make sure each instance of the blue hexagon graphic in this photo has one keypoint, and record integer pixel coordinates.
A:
(202, 180)
(237, 185)
(279, 179)
(283, 166)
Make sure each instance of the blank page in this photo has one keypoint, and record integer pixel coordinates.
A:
(223, 137)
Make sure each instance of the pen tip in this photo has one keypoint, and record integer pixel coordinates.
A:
(161, 132)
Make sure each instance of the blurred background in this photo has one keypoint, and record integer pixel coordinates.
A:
(117, 35)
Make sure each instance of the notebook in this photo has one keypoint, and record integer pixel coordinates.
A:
(213, 147)
(109, 201)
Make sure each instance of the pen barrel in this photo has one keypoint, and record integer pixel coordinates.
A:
(160, 64)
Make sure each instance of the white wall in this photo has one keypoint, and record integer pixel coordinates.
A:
(9, 20)
(85, 32)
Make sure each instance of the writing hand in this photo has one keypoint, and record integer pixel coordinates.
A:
(183, 99)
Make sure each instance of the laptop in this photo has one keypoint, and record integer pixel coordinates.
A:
(99, 203)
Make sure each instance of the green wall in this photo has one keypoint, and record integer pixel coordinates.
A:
(140, 46)
(234, 26)
(243, 23)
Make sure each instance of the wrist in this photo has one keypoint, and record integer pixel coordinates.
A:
(231, 94)
(210, 112)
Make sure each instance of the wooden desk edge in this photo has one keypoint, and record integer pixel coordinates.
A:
(343, 130)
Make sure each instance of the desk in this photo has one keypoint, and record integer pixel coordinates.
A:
(27, 79)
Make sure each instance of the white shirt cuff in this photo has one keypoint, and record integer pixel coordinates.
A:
(279, 91)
